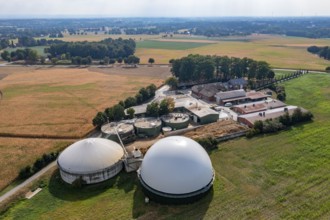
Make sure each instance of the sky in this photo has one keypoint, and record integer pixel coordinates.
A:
(162, 8)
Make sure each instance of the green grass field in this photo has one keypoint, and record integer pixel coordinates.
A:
(169, 45)
(280, 73)
(284, 175)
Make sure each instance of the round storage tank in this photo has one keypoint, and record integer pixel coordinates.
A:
(176, 120)
(125, 131)
(176, 169)
(90, 160)
(148, 127)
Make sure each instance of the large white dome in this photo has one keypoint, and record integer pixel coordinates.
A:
(176, 165)
(90, 155)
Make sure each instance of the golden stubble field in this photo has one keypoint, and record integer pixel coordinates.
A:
(63, 101)
(58, 102)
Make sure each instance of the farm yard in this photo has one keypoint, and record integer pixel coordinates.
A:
(282, 175)
(60, 103)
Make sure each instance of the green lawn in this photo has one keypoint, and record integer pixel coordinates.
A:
(278, 176)
(169, 45)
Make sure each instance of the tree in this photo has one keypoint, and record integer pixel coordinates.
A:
(5, 55)
(166, 106)
(106, 60)
(130, 113)
(99, 119)
(172, 82)
(120, 60)
(151, 61)
(271, 74)
(118, 112)
(151, 89)
(54, 60)
(327, 69)
(42, 60)
(139, 98)
(31, 56)
(145, 94)
(153, 110)
(258, 126)
(112, 61)
(130, 101)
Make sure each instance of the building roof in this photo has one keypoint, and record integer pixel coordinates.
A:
(208, 90)
(256, 95)
(202, 111)
(269, 114)
(239, 81)
(231, 94)
(259, 106)
(176, 165)
(90, 155)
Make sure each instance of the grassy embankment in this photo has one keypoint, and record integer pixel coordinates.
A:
(284, 175)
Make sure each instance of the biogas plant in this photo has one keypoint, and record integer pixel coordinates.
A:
(174, 170)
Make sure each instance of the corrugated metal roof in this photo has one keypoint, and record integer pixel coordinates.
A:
(231, 94)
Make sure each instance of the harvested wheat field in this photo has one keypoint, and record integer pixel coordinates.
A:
(16, 153)
(63, 101)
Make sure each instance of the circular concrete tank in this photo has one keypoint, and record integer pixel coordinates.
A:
(91, 160)
(148, 127)
(176, 120)
(126, 132)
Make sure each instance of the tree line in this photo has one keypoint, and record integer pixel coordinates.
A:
(198, 68)
(30, 56)
(27, 41)
(323, 52)
(117, 112)
(112, 48)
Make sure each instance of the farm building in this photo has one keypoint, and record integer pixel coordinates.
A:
(176, 120)
(258, 106)
(125, 130)
(239, 83)
(90, 161)
(176, 169)
(204, 115)
(148, 127)
(239, 96)
(233, 96)
(207, 91)
(249, 119)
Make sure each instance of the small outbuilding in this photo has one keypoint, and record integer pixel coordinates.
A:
(90, 161)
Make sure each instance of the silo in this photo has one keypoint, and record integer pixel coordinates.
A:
(176, 169)
(176, 120)
(148, 127)
(125, 131)
(90, 161)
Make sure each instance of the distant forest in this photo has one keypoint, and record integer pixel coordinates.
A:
(112, 48)
(323, 52)
(310, 27)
